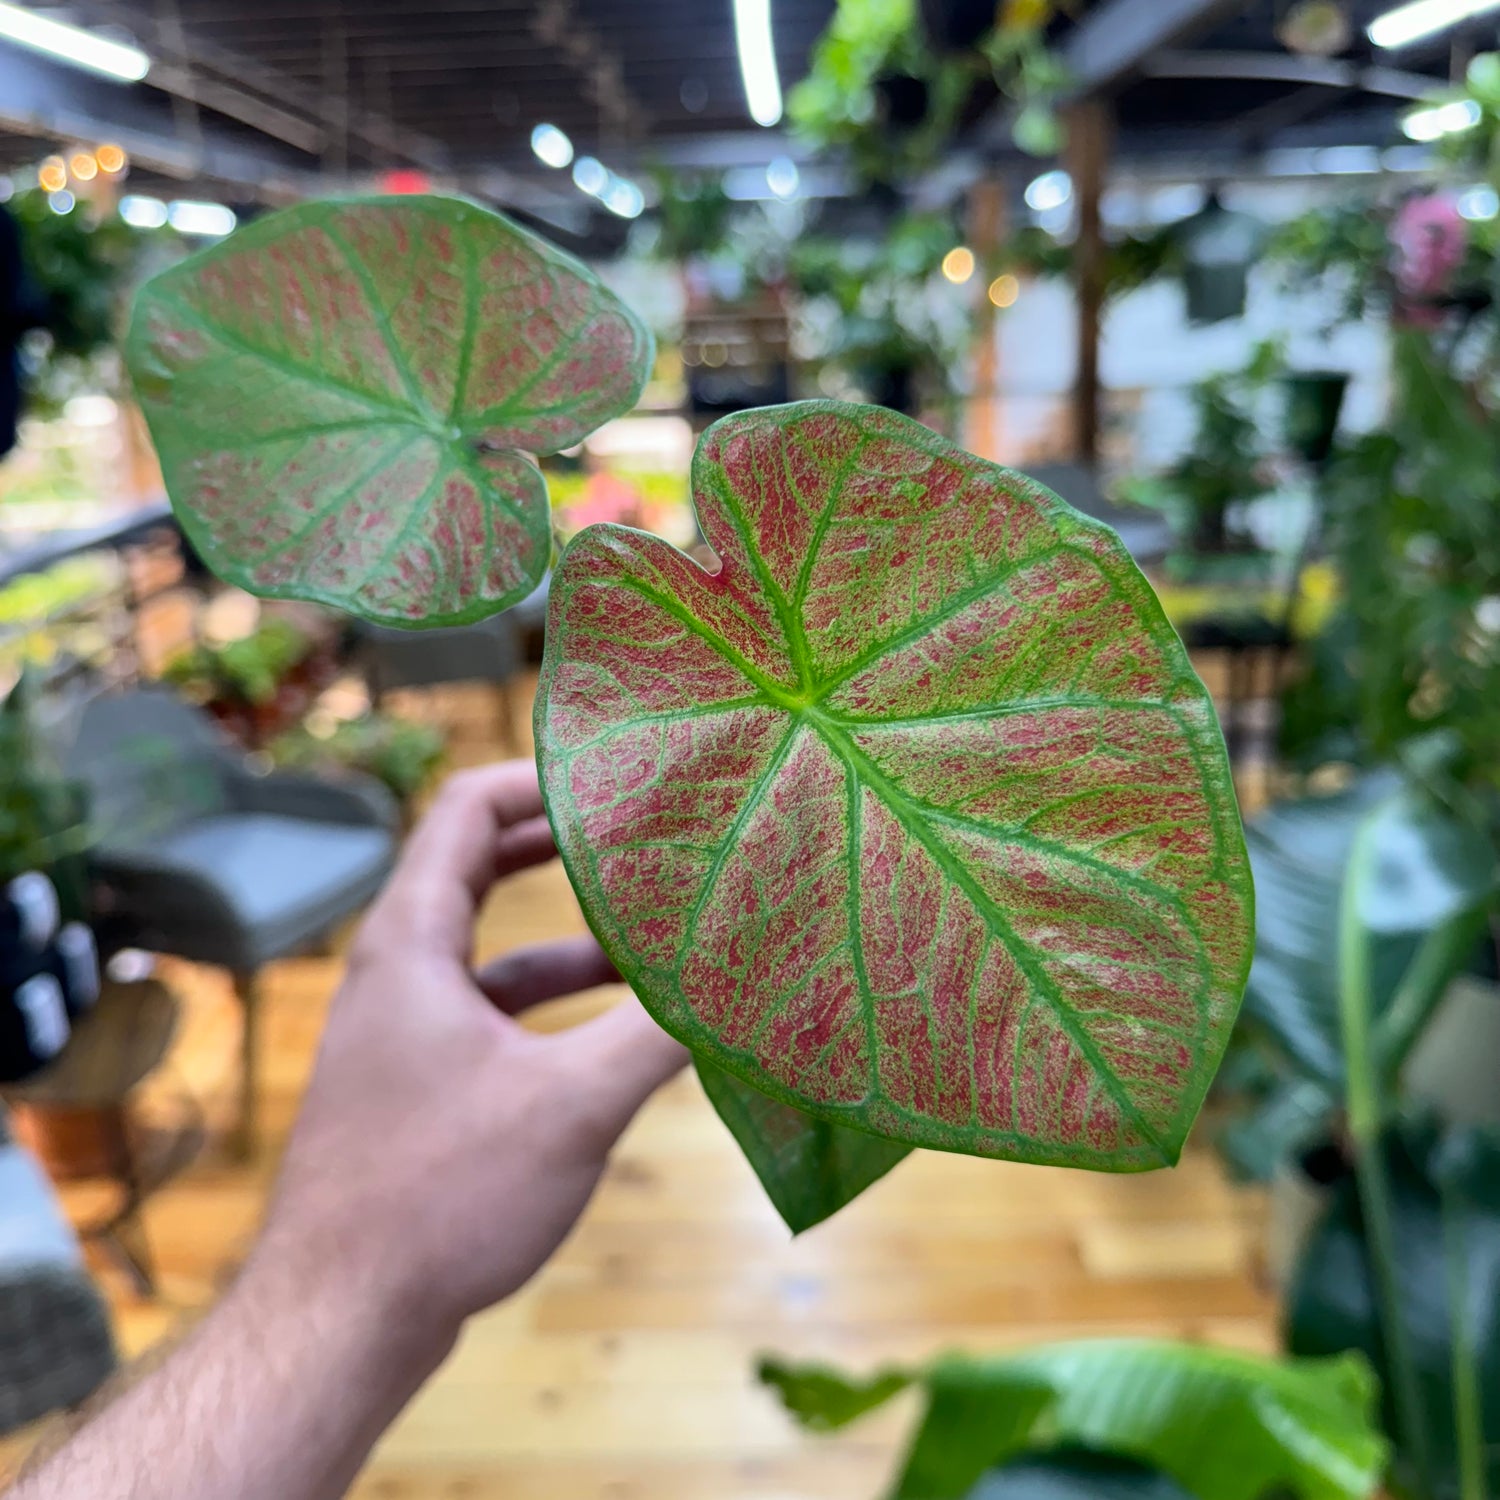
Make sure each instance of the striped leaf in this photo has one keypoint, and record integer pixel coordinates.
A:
(913, 815)
(344, 396)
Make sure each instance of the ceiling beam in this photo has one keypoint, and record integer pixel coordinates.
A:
(1112, 43)
(1283, 67)
(53, 103)
(265, 98)
(1115, 39)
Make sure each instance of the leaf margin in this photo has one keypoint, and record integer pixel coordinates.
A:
(532, 509)
(1224, 811)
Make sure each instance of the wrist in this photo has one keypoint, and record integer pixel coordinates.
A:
(358, 1319)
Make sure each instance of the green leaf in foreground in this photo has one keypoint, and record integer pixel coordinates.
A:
(344, 396)
(809, 1168)
(913, 815)
(1223, 1425)
(1446, 1244)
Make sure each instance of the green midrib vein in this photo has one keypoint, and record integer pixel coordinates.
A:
(865, 773)
(908, 814)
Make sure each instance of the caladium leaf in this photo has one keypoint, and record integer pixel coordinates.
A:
(809, 1168)
(913, 815)
(344, 396)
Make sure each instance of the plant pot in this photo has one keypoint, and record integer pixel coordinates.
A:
(903, 100)
(1314, 403)
(1455, 1067)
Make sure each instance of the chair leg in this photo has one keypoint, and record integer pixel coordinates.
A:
(129, 1234)
(243, 1139)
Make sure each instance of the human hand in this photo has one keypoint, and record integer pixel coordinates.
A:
(444, 1152)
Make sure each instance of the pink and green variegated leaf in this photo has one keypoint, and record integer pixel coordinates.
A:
(809, 1168)
(345, 397)
(913, 815)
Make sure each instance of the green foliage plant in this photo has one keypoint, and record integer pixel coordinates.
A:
(1374, 901)
(1217, 1425)
(401, 754)
(870, 44)
(43, 817)
(910, 818)
(81, 266)
(249, 671)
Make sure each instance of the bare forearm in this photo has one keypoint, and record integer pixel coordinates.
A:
(280, 1395)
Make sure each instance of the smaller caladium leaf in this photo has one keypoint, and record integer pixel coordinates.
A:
(809, 1168)
(345, 397)
(913, 815)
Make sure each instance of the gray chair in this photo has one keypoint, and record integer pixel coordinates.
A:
(490, 651)
(197, 856)
(56, 1348)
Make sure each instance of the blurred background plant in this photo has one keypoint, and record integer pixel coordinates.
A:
(400, 753)
(82, 266)
(890, 92)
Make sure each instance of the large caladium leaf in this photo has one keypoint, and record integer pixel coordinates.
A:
(344, 396)
(913, 815)
(810, 1168)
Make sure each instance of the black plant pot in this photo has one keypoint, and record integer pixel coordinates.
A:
(897, 389)
(903, 100)
(1314, 403)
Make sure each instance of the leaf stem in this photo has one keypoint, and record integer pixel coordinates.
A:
(1468, 1410)
(1366, 1118)
(1438, 959)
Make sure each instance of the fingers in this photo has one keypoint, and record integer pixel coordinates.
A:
(545, 971)
(519, 848)
(624, 1057)
(484, 824)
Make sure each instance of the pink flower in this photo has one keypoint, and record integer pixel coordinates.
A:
(1430, 240)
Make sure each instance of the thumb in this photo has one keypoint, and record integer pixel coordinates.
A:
(626, 1057)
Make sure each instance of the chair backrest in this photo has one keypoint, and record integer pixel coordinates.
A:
(151, 763)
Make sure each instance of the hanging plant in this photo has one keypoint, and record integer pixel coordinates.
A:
(891, 93)
(911, 819)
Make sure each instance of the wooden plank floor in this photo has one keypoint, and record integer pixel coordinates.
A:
(625, 1372)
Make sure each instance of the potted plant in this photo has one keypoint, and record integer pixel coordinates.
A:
(1371, 1001)
(49, 969)
(254, 686)
(402, 755)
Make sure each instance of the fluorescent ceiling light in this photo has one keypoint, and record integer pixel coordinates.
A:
(1438, 120)
(1346, 161)
(752, 36)
(1480, 203)
(1049, 191)
(782, 177)
(1423, 18)
(211, 220)
(552, 145)
(590, 176)
(72, 44)
(623, 197)
(141, 212)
